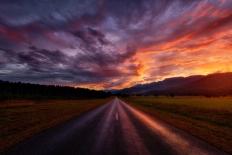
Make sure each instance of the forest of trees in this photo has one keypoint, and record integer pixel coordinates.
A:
(18, 90)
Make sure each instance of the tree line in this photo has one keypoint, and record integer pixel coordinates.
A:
(18, 90)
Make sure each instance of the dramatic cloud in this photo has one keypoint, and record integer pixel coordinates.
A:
(106, 44)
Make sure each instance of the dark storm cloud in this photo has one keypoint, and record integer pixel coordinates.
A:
(94, 41)
(49, 12)
(91, 36)
(99, 36)
(36, 64)
(98, 49)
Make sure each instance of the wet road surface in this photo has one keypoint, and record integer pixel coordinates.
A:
(113, 129)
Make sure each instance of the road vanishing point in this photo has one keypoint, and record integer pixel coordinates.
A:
(114, 128)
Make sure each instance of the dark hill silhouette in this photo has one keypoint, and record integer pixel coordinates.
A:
(218, 84)
(13, 90)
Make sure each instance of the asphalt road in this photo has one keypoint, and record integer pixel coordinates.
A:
(113, 129)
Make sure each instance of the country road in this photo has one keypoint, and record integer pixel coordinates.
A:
(114, 129)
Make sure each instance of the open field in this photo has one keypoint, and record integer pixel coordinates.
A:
(20, 119)
(207, 118)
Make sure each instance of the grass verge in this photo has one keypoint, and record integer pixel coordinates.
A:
(209, 119)
(20, 119)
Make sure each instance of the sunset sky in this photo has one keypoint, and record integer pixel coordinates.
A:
(112, 44)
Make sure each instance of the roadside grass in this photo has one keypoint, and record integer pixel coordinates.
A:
(20, 119)
(207, 118)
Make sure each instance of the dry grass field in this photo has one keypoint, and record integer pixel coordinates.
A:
(20, 119)
(207, 118)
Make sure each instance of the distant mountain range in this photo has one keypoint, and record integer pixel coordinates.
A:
(218, 84)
